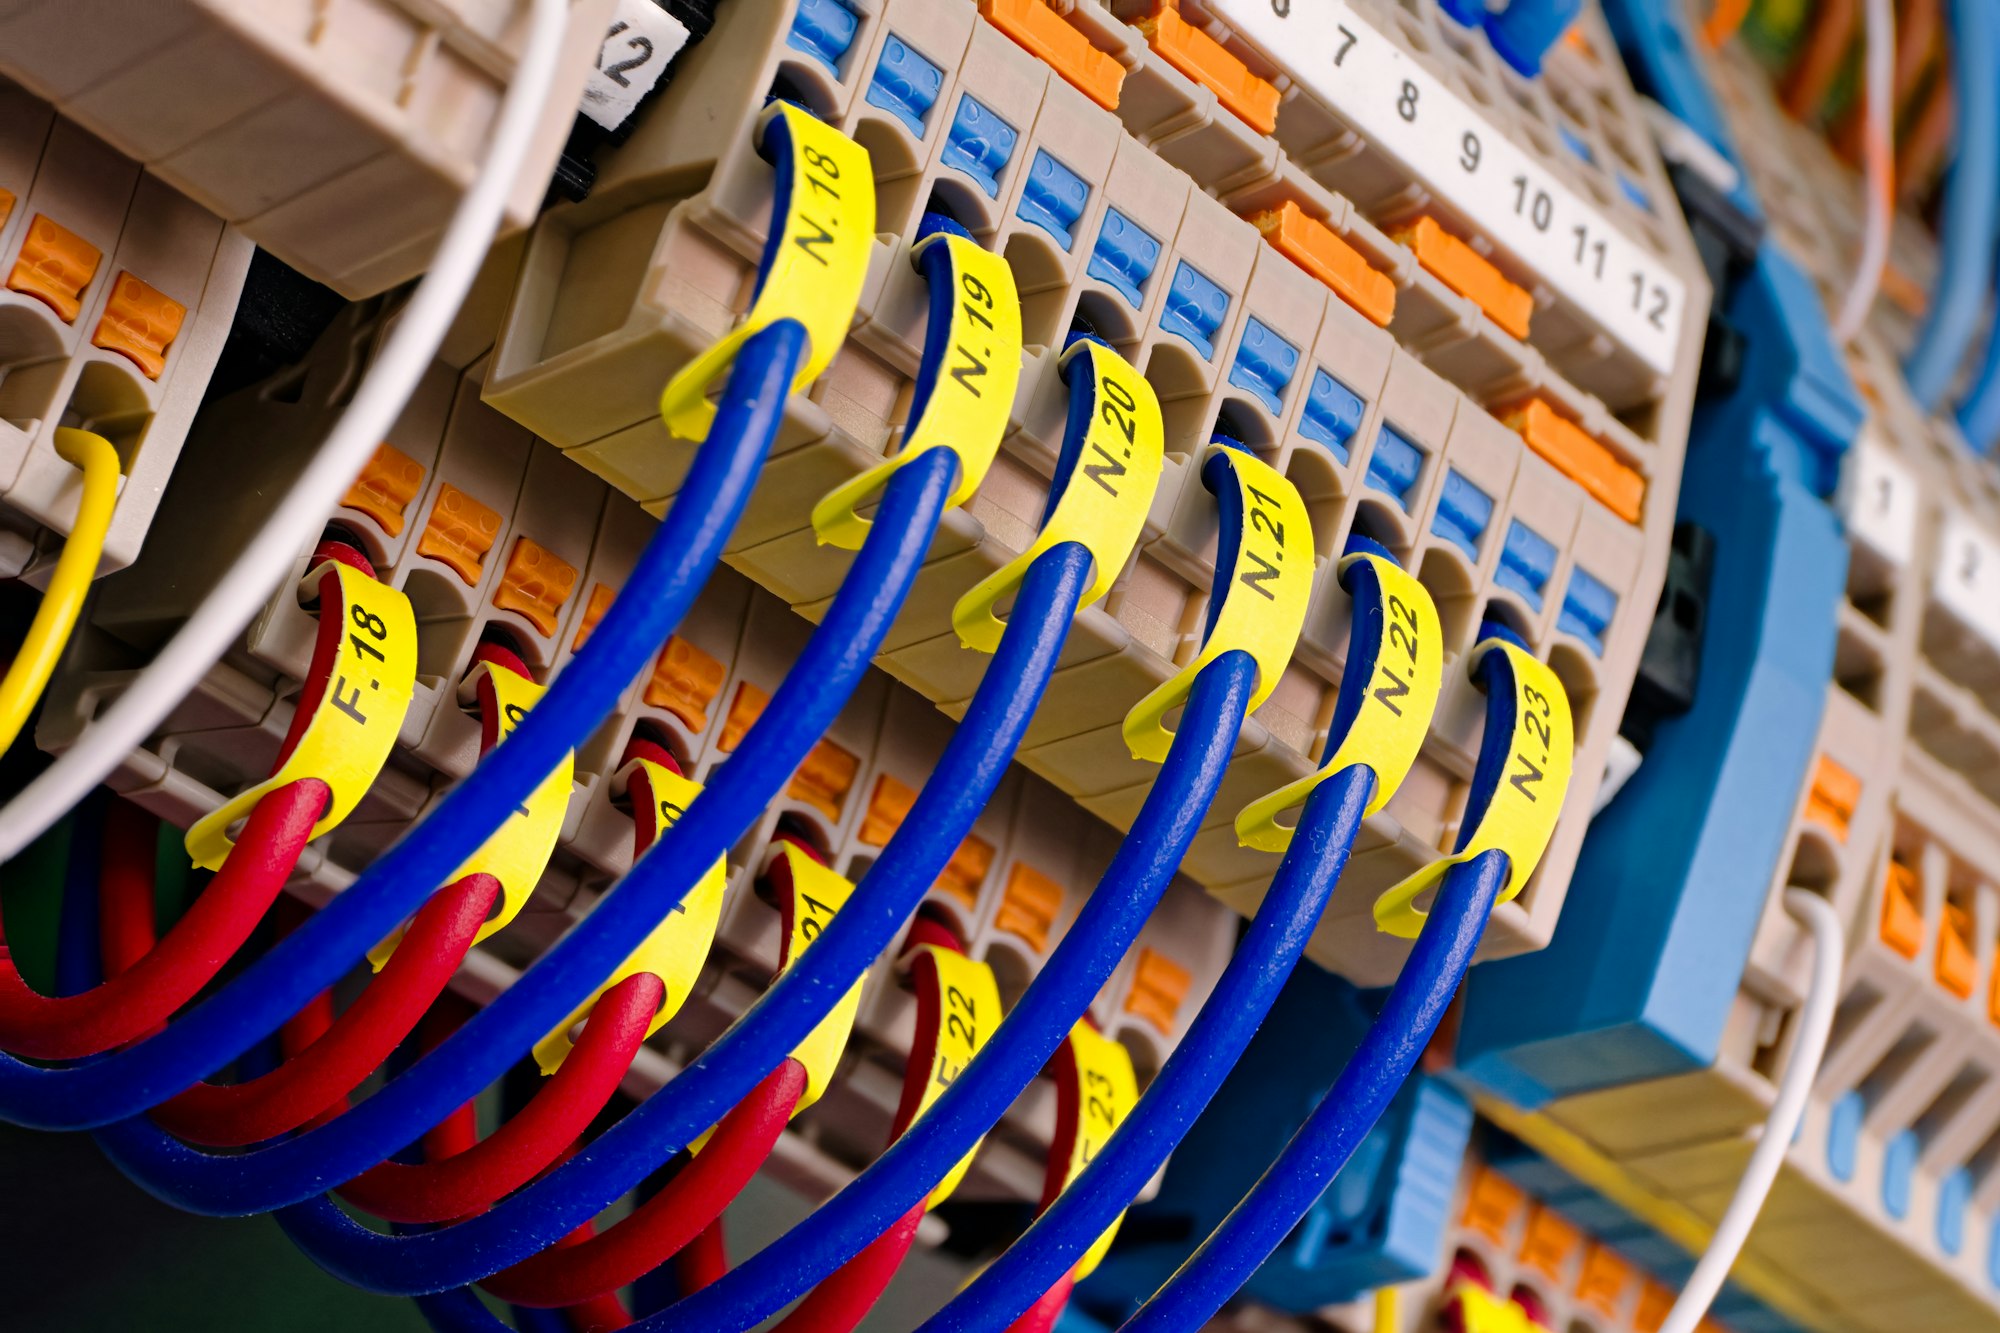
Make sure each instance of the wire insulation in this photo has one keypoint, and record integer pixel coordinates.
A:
(1878, 171)
(62, 602)
(1789, 1108)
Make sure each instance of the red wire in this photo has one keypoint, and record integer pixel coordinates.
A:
(142, 997)
(359, 1040)
(1043, 1314)
(518, 1151)
(850, 1292)
(125, 886)
(673, 1218)
(702, 1260)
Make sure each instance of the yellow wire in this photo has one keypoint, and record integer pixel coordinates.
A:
(55, 618)
(1388, 1310)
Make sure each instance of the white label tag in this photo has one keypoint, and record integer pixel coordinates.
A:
(1878, 498)
(1968, 576)
(640, 43)
(1404, 111)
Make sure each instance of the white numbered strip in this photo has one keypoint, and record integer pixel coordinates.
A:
(1878, 498)
(642, 41)
(1968, 576)
(1404, 111)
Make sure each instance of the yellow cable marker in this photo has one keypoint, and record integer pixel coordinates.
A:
(818, 893)
(1263, 605)
(814, 263)
(1395, 666)
(1114, 425)
(1107, 1090)
(674, 950)
(968, 1014)
(355, 722)
(55, 619)
(1516, 798)
(519, 850)
(964, 394)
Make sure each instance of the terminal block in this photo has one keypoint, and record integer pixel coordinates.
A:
(116, 292)
(338, 137)
(493, 535)
(1531, 481)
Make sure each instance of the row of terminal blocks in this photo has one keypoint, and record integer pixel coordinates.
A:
(492, 534)
(1476, 457)
(1888, 1212)
(116, 293)
(338, 136)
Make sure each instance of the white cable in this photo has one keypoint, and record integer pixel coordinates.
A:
(405, 356)
(1878, 209)
(1815, 1022)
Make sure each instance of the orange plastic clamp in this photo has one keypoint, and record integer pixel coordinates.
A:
(1583, 460)
(1955, 966)
(1203, 59)
(535, 584)
(1550, 1242)
(600, 601)
(1029, 905)
(887, 805)
(1606, 1278)
(385, 488)
(1903, 913)
(1320, 251)
(823, 780)
(1047, 36)
(1491, 1204)
(1835, 792)
(1464, 270)
(685, 681)
(6, 206)
(1159, 984)
(54, 267)
(1655, 1304)
(140, 322)
(966, 871)
(460, 532)
(744, 710)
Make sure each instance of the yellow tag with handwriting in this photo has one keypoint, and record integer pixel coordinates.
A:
(822, 231)
(1119, 442)
(354, 722)
(1514, 803)
(817, 894)
(967, 1008)
(675, 949)
(1395, 655)
(964, 395)
(1263, 605)
(1105, 1091)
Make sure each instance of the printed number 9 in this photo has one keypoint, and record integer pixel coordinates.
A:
(1468, 152)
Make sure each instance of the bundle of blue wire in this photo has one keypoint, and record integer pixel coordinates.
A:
(1030, 1033)
(1215, 1041)
(666, 579)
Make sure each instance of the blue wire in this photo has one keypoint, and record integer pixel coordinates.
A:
(812, 694)
(1214, 1042)
(1114, 914)
(1350, 1108)
(668, 575)
(1971, 201)
(737, 1061)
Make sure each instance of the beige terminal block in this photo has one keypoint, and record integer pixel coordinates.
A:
(339, 136)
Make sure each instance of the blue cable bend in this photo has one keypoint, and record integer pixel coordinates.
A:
(726, 1072)
(666, 579)
(812, 693)
(1350, 1108)
(1029, 1034)
(1230, 1016)
(1971, 201)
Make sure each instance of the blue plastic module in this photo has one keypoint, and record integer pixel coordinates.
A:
(1673, 875)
